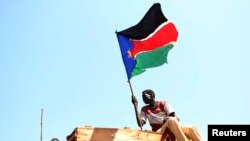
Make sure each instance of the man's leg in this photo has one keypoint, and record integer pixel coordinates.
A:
(192, 133)
(167, 135)
(174, 126)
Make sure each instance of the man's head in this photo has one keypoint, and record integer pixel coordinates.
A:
(148, 96)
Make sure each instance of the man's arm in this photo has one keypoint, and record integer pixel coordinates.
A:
(172, 114)
(140, 122)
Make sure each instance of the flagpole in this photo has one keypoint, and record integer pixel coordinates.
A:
(41, 133)
(135, 106)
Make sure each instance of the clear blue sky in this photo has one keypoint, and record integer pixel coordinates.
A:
(63, 56)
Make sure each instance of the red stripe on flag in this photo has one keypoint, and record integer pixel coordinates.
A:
(163, 36)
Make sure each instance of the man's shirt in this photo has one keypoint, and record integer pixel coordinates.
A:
(155, 115)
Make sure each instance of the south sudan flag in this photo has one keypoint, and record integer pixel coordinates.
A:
(146, 44)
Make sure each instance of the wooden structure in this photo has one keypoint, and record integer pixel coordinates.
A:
(90, 133)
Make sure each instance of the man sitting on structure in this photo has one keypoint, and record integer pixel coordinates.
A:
(163, 119)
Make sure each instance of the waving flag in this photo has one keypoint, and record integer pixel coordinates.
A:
(146, 45)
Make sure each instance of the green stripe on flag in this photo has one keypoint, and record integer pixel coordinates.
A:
(151, 59)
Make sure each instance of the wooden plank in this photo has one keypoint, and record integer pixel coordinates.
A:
(112, 134)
